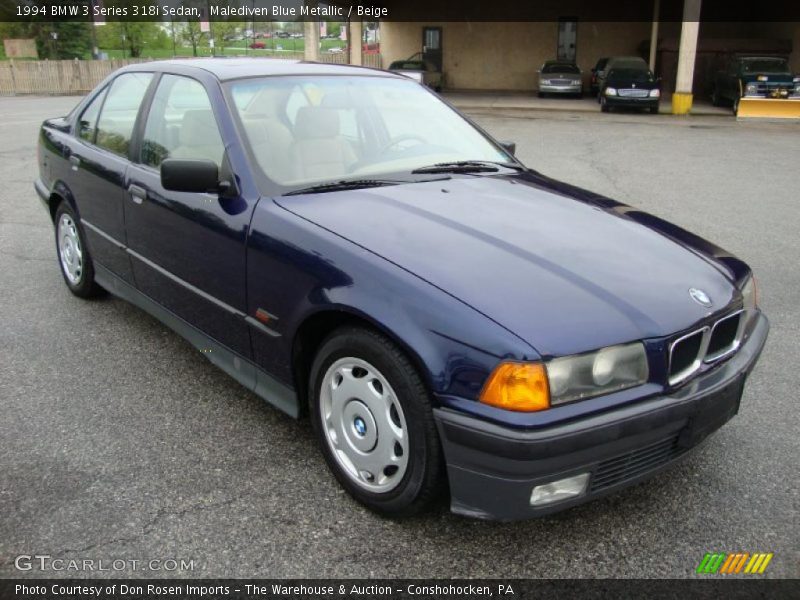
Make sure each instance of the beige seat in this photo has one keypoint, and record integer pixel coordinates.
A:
(269, 136)
(319, 151)
(199, 137)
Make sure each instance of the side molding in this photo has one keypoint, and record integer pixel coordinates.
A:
(242, 370)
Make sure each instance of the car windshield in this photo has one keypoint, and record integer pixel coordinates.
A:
(310, 130)
(766, 65)
(633, 75)
(560, 68)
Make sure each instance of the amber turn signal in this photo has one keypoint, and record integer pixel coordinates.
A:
(517, 386)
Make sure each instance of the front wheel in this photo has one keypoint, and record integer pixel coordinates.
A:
(73, 255)
(372, 417)
(604, 107)
(736, 106)
(653, 110)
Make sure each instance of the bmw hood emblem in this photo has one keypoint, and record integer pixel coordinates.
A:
(700, 297)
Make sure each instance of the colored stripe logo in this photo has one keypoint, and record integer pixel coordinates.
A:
(739, 562)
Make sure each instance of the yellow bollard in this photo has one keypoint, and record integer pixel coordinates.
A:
(681, 103)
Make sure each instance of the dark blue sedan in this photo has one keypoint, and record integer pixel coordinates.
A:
(345, 244)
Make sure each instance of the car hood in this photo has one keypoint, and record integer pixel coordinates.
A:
(771, 77)
(626, 82)
(561, 76)
(565, 270)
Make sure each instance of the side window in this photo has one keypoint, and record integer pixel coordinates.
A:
(181, 124)
(87, 124)
(115, 126)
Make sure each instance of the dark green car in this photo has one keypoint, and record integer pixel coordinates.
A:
(754, 76)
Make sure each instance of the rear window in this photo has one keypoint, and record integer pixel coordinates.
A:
(560, 68)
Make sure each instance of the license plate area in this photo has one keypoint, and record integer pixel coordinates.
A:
(711, 413)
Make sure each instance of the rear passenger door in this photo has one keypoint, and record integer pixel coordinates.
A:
(98, 157)
(188, 249)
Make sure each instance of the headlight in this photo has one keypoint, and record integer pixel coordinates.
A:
(529, 387)
(586, 375)
(750, 294)
(751, 89)
(611, 91)
(545, 82)
(655, 93)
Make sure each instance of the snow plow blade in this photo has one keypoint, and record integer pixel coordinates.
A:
(769, 108)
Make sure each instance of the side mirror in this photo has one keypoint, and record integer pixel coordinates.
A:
(510, 147)
(200, 176)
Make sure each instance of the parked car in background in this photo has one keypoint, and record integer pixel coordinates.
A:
(598, 72)
(756, 77)
(348, 247)
(634, 62)
(630, 85)
(258, 45)
(419, 69)
(560, 77)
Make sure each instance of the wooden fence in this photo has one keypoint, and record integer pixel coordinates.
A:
(65, 77)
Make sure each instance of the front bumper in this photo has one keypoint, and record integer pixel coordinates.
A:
(493, 469)
(647, 102)
(560, 89)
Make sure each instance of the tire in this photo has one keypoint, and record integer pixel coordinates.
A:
(357, 428)
(540, 94)
(735, 106)
(715, 99)
(73, 255)
(653, 110)
(604, 107)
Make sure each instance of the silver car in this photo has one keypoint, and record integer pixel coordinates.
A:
(560, 77)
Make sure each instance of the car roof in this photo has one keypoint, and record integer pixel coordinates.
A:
(627, 59)
(226, 69)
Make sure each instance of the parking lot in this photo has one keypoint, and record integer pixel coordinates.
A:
(119, 441)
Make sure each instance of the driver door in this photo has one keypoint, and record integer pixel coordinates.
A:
(188, 249)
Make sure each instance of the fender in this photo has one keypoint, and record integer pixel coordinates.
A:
(331, 275)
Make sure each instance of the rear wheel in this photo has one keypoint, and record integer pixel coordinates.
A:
(372, 417)
(73, 255)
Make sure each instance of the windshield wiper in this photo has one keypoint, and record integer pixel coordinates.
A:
(467, 166)
(345, 184)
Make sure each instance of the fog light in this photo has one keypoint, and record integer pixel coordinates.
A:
(555, 491)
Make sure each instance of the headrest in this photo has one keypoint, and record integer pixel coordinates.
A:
(199, 128)
(267, 102)
(315, 122)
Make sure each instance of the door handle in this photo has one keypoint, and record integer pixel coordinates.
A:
(138, 193)
(75, 161)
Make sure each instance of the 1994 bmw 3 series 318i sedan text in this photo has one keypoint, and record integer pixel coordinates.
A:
(344, 243)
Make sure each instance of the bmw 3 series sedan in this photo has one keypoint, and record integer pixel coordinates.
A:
(349, 247)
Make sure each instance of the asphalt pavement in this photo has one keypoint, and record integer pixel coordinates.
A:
(118, 441)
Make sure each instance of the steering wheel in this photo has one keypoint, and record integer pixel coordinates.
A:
(400, 139)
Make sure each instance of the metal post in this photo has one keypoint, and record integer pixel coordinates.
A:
(654, 35)
(687, 51)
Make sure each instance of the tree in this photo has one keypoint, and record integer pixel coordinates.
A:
(57, 40)
(222, 30)
(191, 33)
(133, 36)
